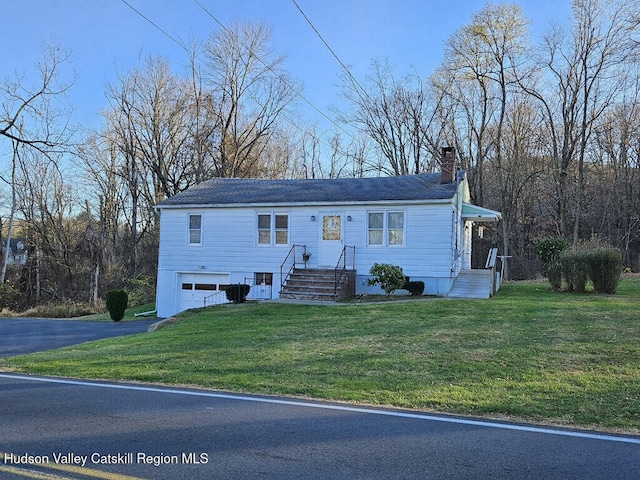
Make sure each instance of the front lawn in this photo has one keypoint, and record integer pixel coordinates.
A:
(528, 354)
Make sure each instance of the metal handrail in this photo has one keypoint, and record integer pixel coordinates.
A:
(339, 272)
(217, 294)
(291, 262)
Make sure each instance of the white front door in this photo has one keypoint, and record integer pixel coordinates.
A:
(331, 238)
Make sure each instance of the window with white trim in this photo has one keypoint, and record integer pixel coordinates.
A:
(385, 228)
(195, 229)
(273, 228)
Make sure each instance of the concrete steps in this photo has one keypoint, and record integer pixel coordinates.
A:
(318, 284)
(472, 284)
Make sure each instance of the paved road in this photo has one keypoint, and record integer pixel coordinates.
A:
(27, 335)
(253, 437)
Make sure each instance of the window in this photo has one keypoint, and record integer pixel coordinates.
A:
(332, 227)
(263, 278)
(376, 228)
(282, 229)
(273, 229)
(385, 228)
(264, 229)
(195, 229)
(395, 228)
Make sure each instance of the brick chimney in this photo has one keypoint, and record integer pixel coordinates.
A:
(448, 165)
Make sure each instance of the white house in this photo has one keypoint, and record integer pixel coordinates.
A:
(227, 231)
(17, 251)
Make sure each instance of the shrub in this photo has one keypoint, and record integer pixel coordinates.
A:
(389, 277)
(116, 304)
(575, 269)
(415, 288)
(605, 269)
(237, 293)
(10, 297)
(549, 252)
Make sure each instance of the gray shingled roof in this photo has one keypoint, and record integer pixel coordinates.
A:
(225, 191)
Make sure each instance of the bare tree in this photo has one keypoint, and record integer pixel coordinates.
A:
(248, 92)
(396, 115)
(581, 73)
(33, 117)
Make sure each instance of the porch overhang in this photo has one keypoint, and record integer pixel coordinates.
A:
(473, 213)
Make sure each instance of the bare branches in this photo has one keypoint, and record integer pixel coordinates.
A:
(31, 115)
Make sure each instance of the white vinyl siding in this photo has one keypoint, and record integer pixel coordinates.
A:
(233, 248)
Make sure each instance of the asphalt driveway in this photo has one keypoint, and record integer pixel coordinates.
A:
(19, 336)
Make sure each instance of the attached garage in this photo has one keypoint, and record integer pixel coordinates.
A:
(200, 289)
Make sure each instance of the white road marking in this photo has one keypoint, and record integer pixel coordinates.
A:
(342, 408)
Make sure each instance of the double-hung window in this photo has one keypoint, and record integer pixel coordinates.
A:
(273, 229)
(195, 229)
(385, 228)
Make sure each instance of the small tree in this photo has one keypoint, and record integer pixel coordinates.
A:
(116, 304)
(389, 277)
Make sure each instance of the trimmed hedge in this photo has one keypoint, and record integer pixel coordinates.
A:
(237, 293)
(601, 265)
(116, 304)
(605, 269)
(575, 269)
(415, 288)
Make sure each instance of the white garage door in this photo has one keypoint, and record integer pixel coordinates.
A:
(196, 288)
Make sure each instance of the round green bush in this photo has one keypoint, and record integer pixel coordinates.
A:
(116, 304)
(389, 277)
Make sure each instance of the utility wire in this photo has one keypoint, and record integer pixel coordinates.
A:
(284, 80)
(277, 74)
(152, 23)
(335, 55)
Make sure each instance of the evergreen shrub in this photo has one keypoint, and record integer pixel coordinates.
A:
(116, 304)
(549, 251)
(237, 293)
(605, 269)
(415, 288)
(575, 269)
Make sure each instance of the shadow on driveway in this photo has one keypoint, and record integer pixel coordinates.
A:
(19, 336)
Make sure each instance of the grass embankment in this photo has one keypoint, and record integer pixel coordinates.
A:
(527, 353)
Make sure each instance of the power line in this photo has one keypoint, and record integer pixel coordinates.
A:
(277, 74)
(335, 55)
(152, 23)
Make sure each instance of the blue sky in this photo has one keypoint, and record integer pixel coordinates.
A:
(105, 36)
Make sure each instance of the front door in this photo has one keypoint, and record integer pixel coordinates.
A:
(331, 239)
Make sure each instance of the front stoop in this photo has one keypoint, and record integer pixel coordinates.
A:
(472, 284)
(318, 284)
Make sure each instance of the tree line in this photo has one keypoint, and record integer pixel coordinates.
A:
(547, 132)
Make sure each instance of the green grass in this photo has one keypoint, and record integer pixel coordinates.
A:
(528, 354)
